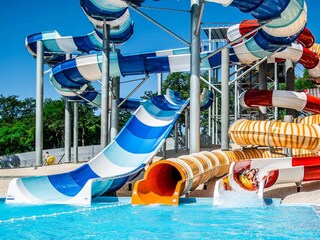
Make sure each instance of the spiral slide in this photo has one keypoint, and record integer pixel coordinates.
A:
(122, 160)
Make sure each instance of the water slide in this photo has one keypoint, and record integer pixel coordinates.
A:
(300, 101)
(285, 22)
(268, 172)
(122, 160)
(139, 140)
(70, 77)
(166, 181)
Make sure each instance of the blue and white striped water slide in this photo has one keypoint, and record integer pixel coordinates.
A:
(287, 18)
(122, 160)
(70, 77)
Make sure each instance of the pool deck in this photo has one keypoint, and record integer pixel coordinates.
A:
(309, 192)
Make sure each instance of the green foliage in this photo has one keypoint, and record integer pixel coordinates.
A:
(89, 125)
(301, 83)
(17, 124)
(304, 82)
(124, 116)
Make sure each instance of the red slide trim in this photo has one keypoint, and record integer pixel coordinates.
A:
(254, 98)
(309, 59)
(313, 104)
(247, 26)
(272, 178)
(306, 38)
(306, 161)
(311, 173)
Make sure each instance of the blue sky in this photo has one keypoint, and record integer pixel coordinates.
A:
(18, 19)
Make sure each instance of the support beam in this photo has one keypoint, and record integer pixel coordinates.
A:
(225, 74)
(254, 66)
(176, 137)
(290, 83)
(134, 90)
(236, 96)
(67, 126)
(203, 2)
(276, 87)
(210, 108)
(164, 146)
(67, 131)
(158, 24)
(195, 79)
(159, 83)
(39, 104)
(263, 80)
(75, 132)
(186, 131)
(114, 107)
(105, 86)
(288, 151)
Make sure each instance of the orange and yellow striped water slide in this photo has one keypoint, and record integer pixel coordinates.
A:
(165, 181)
(275, 134)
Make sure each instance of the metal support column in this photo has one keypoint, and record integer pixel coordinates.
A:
(236, 96)
(195, 79)
(225, 74)
(75, 132)
(114, 107)
(215, 107)
(105, 86)
(288, 151)
(186, 130)
(39, 104)
(290, 83)
(263, 78)
(159, 83)
(67, 126)
(176, 137)
(164, 146)
(67, 131)
(276, 87)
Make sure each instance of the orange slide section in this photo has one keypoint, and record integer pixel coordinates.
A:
(165, 181)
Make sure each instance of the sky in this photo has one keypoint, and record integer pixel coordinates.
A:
(20, 18)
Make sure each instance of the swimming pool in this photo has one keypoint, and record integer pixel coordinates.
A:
(196, 219)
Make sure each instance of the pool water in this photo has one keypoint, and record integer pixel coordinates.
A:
(197, 219)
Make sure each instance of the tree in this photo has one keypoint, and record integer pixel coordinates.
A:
(53, 123)
(89, 125)
(305, 82)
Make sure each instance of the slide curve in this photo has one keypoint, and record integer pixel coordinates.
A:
(122, 160)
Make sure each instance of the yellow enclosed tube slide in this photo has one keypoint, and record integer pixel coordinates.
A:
(275, 134)
(314, 119)
(165, 181)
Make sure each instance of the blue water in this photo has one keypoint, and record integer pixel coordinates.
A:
(121, 220)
